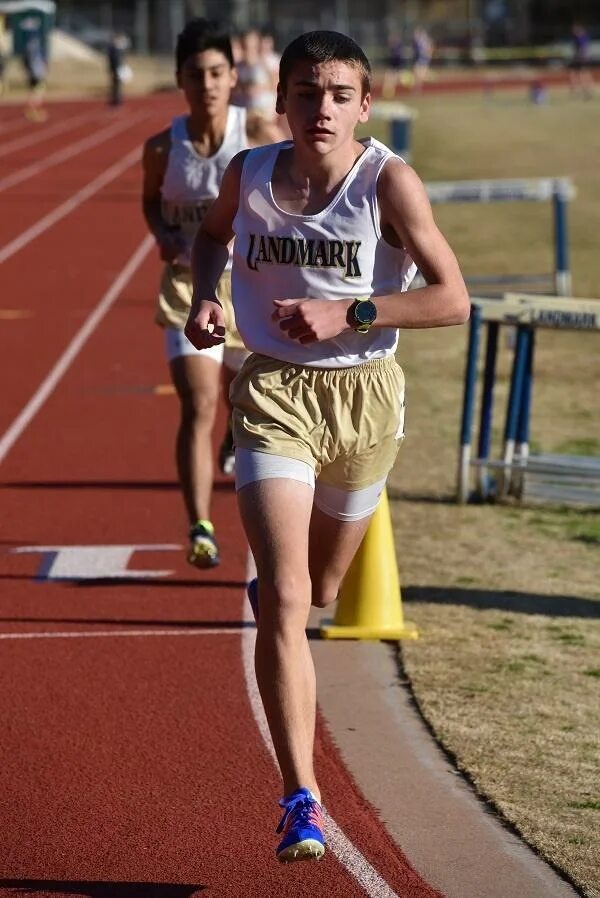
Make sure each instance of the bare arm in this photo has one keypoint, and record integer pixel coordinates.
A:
(205, 325)
(154, 163)
(407, 220)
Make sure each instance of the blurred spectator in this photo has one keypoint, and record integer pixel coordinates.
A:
(4, 53)
(34, 62)
(271, 59)
(422, 49)
(255, 82)
(270, 56)
(119, 72)
(236, 49)
(476, 47)
(396, 70)
(581, 78)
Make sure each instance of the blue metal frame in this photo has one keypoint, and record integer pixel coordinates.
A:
(466, 427)
(516, 384)
(468, 408)
(561, 241)
(487, 404)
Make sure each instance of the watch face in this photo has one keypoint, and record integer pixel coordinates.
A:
(365, 312)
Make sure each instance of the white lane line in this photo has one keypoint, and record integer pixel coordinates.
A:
(20, 124)
(21, 142)
(50, 219)
(115, 634)
(74, 149)
(345, 851)
(37, 400)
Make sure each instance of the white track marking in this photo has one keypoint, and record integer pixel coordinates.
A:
(115, 634)
(73, 149)
(60, 127)
(14, 125)
(345, 851)
(9, 249)
(37, 400)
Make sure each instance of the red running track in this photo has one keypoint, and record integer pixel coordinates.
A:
(132, 763)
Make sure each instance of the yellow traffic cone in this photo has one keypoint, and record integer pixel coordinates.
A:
(370, 604)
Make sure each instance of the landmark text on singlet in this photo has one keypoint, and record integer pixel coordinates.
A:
(188, 213)
(312, 253)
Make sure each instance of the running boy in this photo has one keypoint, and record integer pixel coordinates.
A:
(183, 168)
(327, 233)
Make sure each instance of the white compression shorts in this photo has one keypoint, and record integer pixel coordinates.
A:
(177, 344)
(344, 505)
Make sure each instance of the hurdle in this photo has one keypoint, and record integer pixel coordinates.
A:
(399, 117)
(558, 191)
(526, 312)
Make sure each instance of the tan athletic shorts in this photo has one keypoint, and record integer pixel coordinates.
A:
(175, 301)
(346, 423)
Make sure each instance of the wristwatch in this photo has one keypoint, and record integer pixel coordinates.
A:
(361, 315)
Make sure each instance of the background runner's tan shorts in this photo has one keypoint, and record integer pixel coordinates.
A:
(175, 301)
(346, 423)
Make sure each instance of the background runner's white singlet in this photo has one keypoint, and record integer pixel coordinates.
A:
(337, 253)
(192, 181)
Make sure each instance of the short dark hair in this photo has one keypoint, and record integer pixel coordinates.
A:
(203, 34)
(325, 46)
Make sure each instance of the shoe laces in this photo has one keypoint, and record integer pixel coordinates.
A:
(300, 811)
(202, 528)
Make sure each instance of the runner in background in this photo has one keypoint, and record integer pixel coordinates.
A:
(183, 167)
(118, 70)
(36, 68)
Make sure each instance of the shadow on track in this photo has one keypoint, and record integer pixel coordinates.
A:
(518, 602)
(100, 889)
(133, 623)
(130, 581)
(220, 486)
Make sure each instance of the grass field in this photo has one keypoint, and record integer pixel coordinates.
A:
(507, 597)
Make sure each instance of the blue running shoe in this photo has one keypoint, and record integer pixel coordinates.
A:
(302, 828)
(252, 590)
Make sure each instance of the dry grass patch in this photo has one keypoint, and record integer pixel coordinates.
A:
(515, 698)
(507, 597)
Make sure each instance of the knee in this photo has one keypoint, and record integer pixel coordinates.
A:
(325, 592)
(287, 600)
(198, 409)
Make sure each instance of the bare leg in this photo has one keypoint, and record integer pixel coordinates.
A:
(333, 545)
(197, 381)
(284, 668)
(226, 448)
(279, 541)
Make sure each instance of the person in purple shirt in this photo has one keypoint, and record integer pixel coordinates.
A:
(582, 81)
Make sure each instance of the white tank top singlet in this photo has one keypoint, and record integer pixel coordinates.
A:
(337, 253)
(192, 181)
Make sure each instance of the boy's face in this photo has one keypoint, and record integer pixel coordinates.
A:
(207, 80)
(323, 103)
